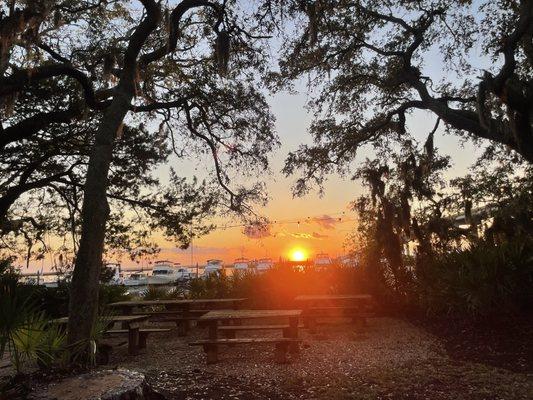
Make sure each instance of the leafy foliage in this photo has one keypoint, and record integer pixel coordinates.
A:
(459, 246)
(24, 329)
(482, 279)
(366, 63)
(153, 293)
(276, 288)
(182, 111)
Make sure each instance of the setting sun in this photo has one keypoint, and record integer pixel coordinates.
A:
(298, 255)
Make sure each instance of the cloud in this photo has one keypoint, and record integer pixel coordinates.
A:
(317, 235)
(306, 235)
(326, 221)
(301, 235)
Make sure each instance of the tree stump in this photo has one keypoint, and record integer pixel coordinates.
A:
(120, 384)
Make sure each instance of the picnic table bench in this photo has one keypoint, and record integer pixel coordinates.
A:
(230, 322)
(179, 311)
(355, 306)
(131, 325)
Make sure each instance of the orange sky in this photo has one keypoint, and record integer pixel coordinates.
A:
(317, 234)
(320, 229)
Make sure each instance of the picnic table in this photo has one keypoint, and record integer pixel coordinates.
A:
(355, 306)
(131, 325)
(230, 322)
(179, 311)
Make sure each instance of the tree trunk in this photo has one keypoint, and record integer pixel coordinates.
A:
(83, 307)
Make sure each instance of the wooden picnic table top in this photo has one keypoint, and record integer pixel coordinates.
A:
(111, 318)
(248, 314)
(333, 297)
(136, 303)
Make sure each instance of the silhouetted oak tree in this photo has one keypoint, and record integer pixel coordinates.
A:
(187, 70)
(369, 60)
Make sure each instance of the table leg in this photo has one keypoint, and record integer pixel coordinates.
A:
(184, 324)
(213, 329)
(142, 340)
(133, 340)
(212, 349)
(294, 348)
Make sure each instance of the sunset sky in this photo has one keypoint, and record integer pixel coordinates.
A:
(325, 222)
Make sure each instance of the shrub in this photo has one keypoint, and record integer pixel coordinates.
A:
(25, 332)
(111, 294)
(153, 293)
(482, 279)
(276, 288)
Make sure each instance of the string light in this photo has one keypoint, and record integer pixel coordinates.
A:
(298, 221)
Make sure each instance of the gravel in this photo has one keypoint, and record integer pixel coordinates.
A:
(390, 358)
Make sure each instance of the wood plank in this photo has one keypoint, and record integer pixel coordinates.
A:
(325, 297)
(169, 312)
(111, 318)
(248, 314)
(124, 331)
(252, 327)
(178, 318)
(243, 341)
(346, 307)
(140, 303)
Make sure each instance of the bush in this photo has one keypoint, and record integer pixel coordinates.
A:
(153, 293)
(24, 327)
(111, 294)
(277, 287)
(483, 279)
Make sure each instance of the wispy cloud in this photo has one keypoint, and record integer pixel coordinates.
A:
(301, 235)
(317, 235)
(326, 221)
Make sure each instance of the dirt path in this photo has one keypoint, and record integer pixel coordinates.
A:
(391, 359)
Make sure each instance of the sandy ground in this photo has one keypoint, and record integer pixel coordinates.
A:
(389, 359)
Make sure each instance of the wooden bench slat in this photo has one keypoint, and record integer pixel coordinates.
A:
(244, 341)
(123, 331)
(338, 311)
(334, 308)
(174, 319)
(251, 327)
(169, 312)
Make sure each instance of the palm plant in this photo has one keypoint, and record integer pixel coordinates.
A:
(153, 293)
(481, 279)
(25, 333)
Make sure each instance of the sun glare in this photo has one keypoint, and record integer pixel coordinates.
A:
(298, 255)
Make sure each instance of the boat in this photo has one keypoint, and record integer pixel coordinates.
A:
(165, 272)
(136, 279)
(241, 264)
(322, 260)
(118, 275)
(351, 260)
(264, 264)
(213, 267)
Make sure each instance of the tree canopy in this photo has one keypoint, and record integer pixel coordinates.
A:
(368, 62)
(61, 63)
(143, 81)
